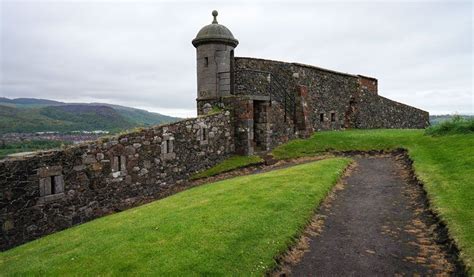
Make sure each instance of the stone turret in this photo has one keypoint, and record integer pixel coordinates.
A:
(214, 56)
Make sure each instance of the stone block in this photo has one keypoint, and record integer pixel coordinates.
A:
(8, 225)
(137, 145)
(97, 166)
(147, 164)
(89, 159)
(50, 171)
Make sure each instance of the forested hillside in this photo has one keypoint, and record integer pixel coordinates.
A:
(40, 115)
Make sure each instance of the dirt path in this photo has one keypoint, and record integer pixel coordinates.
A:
(377, 225)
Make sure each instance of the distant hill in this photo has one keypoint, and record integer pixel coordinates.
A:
(29, 101)
(23, 115)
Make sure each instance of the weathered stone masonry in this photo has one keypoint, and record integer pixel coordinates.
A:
(335, 100)
(58, 189)
(262, 104)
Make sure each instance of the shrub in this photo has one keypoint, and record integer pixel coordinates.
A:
(457, 125)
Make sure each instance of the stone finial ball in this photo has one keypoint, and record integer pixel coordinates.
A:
(214, 13)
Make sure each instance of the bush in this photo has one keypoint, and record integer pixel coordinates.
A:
(457, 125)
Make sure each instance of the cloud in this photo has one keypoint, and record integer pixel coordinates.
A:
(140, 53)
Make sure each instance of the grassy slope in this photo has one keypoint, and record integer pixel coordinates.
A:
(232, 227)
(445, 164)
(227, 165)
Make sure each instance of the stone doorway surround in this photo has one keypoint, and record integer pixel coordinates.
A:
(261, 125)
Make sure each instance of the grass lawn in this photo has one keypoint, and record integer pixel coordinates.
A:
(232, 227)
(231, 163)
(445, 164)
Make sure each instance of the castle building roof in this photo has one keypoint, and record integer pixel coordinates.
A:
(215, 33)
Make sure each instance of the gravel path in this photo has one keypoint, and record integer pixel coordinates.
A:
(378, 225)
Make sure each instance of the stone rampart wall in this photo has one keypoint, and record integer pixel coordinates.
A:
(329, 96)
(373, 111)
(329, 92)
(251, 76)
(54, 190)
(336, 100)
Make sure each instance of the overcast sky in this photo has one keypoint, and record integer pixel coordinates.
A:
(139, 53)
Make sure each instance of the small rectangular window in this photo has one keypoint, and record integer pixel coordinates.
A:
(321, 117)
(206, 61)
(203, 135)
(51, 185)
(333, 117)
(118, 163)
(167, 147)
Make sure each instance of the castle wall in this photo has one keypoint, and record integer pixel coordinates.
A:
(251, 76)
(254, 84)
(329, 96)
(329, 93)
(54, 190)
(335, 100)
(373, 111)
(368, 83)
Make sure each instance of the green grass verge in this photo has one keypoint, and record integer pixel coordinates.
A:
(227, 165)
(445, 164)
(232, 227)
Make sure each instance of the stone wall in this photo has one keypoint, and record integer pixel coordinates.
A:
(303, 112)
(334, 100)
(261, 86)
(252, 76)
(329, 96)
(54, 190)
(373, 111)
(368, 83)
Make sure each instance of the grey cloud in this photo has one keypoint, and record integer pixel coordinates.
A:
(139, 53)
